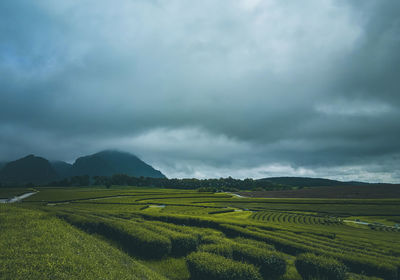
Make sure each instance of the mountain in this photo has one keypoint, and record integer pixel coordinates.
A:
(107, 163)
(63, 169)
(30, 169)
(309, 182)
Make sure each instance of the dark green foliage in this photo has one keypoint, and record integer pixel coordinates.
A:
(355, 263)
(254, 243)
(358, 264)
(222, 211)
(223, 249)
(183, 220)
(211, 239)
(182, 243)
(271, 263)
(311, 266)
(103, 174)
(207, 189)
(380, 268)
(139, 240)
(206, 266)
(74, 181)
(134, 239)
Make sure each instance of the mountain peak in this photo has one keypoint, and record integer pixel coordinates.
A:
(28, 169)
(39, 170)
(110, 162)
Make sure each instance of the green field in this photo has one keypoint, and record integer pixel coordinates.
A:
(149, 233)
(11, 192)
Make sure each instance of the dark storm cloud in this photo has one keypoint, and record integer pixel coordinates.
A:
(250, 88)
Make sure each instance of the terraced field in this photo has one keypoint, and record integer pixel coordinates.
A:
(177, 234)
(294, 218)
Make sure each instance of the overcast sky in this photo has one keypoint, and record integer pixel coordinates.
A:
(210, 88)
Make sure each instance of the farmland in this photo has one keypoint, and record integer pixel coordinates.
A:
(153, 233)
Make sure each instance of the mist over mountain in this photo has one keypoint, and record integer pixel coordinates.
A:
(30, 169)
(33, 169)
(63, 169)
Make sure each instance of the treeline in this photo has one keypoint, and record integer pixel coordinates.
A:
(75, 181)
(206, 185)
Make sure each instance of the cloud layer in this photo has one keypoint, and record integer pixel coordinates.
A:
(247, 88)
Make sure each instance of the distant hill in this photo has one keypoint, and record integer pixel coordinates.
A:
(30, 169)
(63, 169)
(38, 170)
(107, 163)
(309, 182)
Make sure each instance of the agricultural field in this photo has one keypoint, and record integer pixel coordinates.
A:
(150, 233)
(12, 192)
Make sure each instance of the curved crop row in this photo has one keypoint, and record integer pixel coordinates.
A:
(271, 263)
(134, 239)
(181, 243)
(278, 217)
(357, 263)
(204, 265)
(311, 266)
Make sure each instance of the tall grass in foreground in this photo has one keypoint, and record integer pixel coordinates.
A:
(35, 245)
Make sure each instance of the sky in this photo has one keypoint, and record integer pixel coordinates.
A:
(206, 89)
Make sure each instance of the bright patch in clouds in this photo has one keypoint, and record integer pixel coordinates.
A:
(354, 108)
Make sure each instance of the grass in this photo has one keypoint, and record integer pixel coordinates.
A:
(36, 245)
(192, 222)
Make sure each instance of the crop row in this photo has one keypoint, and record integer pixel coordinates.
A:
(155, 239)
(36, 245)
(148, 239)
(271, 263)
(384, 228)
(135, 240)
(327, 245)
(359, 261)
(361, 246)
(281, 217)
(220, 263)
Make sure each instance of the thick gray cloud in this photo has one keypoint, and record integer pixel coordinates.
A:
(248, 88)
